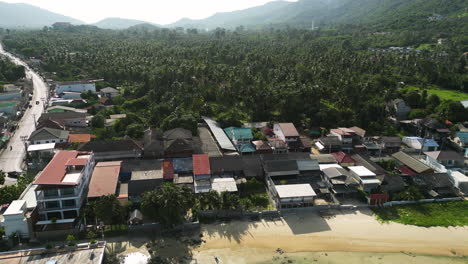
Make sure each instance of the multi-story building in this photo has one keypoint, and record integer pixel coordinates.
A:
(62, 187)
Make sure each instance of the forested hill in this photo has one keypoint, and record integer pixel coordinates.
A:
(378, 14)
(118, 23)
(28, 16)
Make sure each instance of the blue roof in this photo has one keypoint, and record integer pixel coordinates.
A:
(463, 135)
(182, 165)
(239, 133)
(247, 148)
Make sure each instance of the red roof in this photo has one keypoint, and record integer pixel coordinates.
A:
(405, 170)
(76, 162)
(168, 170)
(79, 138)
(56, 169)
(104, 179)
(342, 157)
(201, 164)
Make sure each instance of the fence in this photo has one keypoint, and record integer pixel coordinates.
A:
(223, 214)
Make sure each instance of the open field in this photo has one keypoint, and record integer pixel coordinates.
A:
(429, 214)
(442, 94)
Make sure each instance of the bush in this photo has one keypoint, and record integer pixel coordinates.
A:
(71, 240)
(260, 200)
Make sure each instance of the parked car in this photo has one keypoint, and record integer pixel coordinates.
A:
(37, 102)
(14, 174)
(29, 105)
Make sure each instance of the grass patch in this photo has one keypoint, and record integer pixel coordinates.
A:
(426, 214)
(442, 93)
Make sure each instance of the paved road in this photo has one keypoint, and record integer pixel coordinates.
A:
(11, 160)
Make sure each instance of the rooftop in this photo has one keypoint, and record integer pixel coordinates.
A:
(219, 134)
(308, 165)
(444, 155)
(342, 157)
(361, 171)
(295, 190)
(182, 165)
(40, 147)
(201, 164)
(16, 207)
(238, 133)
(289, 130)
(224, 185)
(55, 173)
(104, 179)
(324, 158)
(110, 146)
(411, 162)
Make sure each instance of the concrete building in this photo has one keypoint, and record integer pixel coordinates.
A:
(15, 220)
(366, 178)
(293, 195)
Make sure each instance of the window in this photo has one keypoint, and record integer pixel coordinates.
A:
(52, 204)
(53, 141)
(68, 191)
(47, 142)
(50, 192)
(68, 203)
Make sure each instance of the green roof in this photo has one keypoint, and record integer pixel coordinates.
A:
(238, 133)
(56, 111)
(247, 148)
(5, 138)
(7, 104)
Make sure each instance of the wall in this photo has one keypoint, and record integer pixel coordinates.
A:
(387, 204)
(278, 132)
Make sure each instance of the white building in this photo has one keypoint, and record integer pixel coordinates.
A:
(78, 87)
(460, 181)
(418, 143)
(286, 132)
(62, 187)
(293, 195)
(366, 178)
(15, 220)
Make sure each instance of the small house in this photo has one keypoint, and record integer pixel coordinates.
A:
(201, 173)
(366, 178)
(328, 144)
(109, 92)
(48, 135)
(411, 163)
(446, 158)
(113, 149)
(343, 159)
(293, 195)
(390, 144)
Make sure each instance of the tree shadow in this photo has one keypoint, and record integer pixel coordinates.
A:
(305, 221)
(231, 230)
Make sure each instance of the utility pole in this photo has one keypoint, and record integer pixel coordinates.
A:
(35, 123)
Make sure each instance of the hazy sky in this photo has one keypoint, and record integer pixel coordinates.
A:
(156, 11)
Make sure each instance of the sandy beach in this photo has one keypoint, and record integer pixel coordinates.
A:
(346, 231)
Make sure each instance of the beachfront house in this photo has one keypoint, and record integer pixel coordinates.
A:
(366, 178)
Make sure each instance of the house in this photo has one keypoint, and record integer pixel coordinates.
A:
(223, 185)
(293, 195)
(432, 128)
(411, 163)
(328, 144)
(418, 143)
(75, 86)
(281, 169)
(392, 183)
(346, 137)
(201, 173)
(12, 93)
(360, 133)
(113, 149)
(460, 181)
(390, 144)
(399, 109)
(338, 178)
(109, 92)
(80, 138)
(153, 143)
(48, 135)
(70, 95)
(461, 142)
(15, 221)
(446, 158)
(145, 176)
(362, 160)
(62, 188)
(287, 132)
(262, 147)
(227, 166)
(343, 159)
(239, 135)
(104, 180)
(435, 185)
(366, 178)
(277, 145)
(10, 108)
(178, 142)
(67, 119)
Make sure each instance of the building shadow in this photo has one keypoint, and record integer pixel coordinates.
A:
(305, 221)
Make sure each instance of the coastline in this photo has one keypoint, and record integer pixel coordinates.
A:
(306, 232)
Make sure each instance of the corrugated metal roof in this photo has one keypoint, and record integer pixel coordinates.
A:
(104, 179)
(219, 134)
(56, 169)
(201, 164)
(295, 190)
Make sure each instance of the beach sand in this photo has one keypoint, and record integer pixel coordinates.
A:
(302, 231)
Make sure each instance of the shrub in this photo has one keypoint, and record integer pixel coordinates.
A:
(71, 240)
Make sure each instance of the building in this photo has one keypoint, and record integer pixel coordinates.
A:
(343, 159)
(432, 128)
(68, 119)
(70, 95)
(392, 183)
(62, 187)
(252, 167)
(48, 135)
(390, 144)
(415, 166)
(61, 109)
(366, 178)
(461, 142)
(418, 143)
(460, 181)
(293, 195)
(399, 109)
(113, 149)
(201, 173)
(262, 147)
(146, 175)
(10, 108)
(227, 166)
(277, 145)
(15, 221)
(75, 86)
(288, 133)
(448, 159)
(328, 144)
(346, 137)
(339, 179)
(223, 141)
(109, 92)
(324, 158)
(224, 185)
(104, 180)
(178, 142)
(239, 135)
(153, 144)
(435, 185)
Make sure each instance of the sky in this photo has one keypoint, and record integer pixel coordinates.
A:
(156, 11)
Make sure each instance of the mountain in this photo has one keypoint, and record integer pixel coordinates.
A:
(118, 23)
(385, 14)
(28, 16)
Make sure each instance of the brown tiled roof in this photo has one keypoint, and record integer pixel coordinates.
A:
(104, 179)
(289, 130)
(79, 138)
(56, 169)
(361, 132)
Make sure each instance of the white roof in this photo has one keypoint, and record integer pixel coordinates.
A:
(417, 142)
(464, 103)
(16, 207)
(319, 145)
(326, 166)
(370, 181)
(223, 141)
(294, 190)
(29, 195)
(41, 147)
(361, 171)
(224, 185)
(71, 177)
(459, 176)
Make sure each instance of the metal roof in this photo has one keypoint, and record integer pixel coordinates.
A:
(219, 134)
(294, 190)
(411, 162)
(39, 147)
(361, 171)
